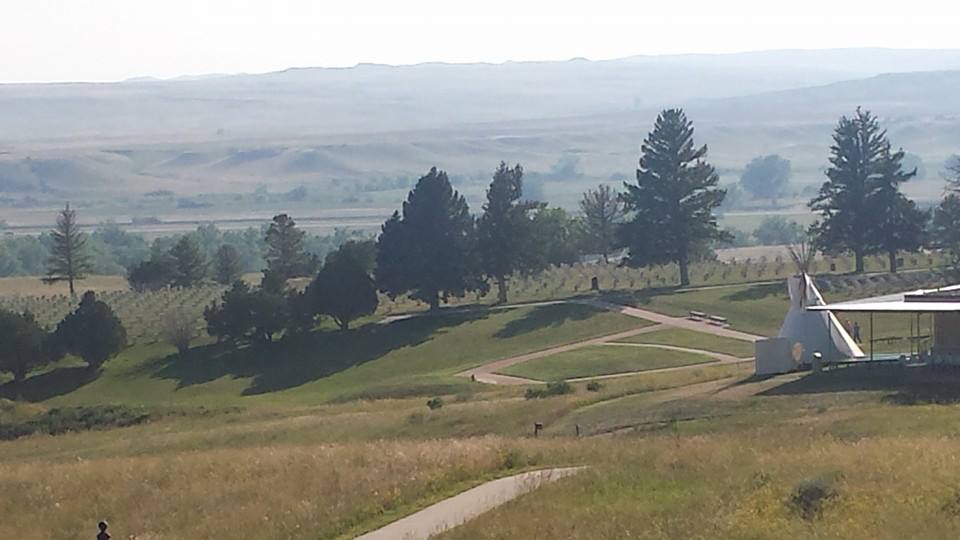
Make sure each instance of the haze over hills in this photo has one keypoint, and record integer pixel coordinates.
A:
(357, 135)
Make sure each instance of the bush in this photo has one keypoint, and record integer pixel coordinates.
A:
(435, 403)
(594, 386)
(555, 388)
(58, 421)
(809, 497)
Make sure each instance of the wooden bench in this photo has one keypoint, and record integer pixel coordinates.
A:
(716, 320)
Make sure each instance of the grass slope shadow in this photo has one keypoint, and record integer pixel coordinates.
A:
(547, 316)
(300, 359)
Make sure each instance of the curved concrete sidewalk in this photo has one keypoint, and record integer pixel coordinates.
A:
(461, 508)
(487, 372)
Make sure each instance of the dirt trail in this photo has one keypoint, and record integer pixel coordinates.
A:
(461, 508)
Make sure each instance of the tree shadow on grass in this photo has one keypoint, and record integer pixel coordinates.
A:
(541, 317)
(902, 386)
(48, 384)
(300, 359)
(757, 292)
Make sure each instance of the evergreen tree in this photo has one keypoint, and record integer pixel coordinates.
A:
(190, 265)
(556, 238)
(286, 257)
(602, 212)
(946, 226)
(673, 201)
(904, 228)
(68, 260)
(429, 250)
(227, 266)
(343, 289)
(505, 226)
(859, 202)
(151, 275)
(247, 314)
(24, 345)
(92, 332)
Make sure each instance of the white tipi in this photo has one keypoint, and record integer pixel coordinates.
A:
(813, 331)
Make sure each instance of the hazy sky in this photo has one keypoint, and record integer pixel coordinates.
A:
(60, 40)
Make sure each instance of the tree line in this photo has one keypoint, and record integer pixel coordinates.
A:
(433, 248)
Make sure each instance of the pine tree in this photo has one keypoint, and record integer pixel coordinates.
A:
(429, 250)
(505, 226)
(23, 344)
(859, 202)
(946, 226)
(602, 212)
(227, 266)
(343, 289)
(93, 332)
(190, 265)
(68, 260)
(673, 201)
(286, 257)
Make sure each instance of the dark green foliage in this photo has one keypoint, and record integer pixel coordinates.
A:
(24, 345)
(859, 201)
(73, 419)
(429, 250)
(286, 257)
(776, 231)
(343, 288)
(946, 225)
(556, 238)
(227, 266)
(554, 388)
(594, 386)
(903, 228)
(602, 212)
(245, 314)
(809, 498)
(766, 177)
(151, 275)
(361, 252)
(69, 260)
(435, 403)
(673, 201)
(505, 227)
(92, 332)
(190, 265)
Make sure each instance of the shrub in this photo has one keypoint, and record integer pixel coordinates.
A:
(435, 403)
(810, 496)
(594, 386)
(58, 421)
(554, 388)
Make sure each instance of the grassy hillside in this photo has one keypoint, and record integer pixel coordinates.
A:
(413, 357)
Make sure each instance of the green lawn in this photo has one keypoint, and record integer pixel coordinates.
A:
(412, 357)
(602, 360)
(756, 308)
(682, 337)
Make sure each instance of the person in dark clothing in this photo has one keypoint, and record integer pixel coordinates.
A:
(856, 331)
(103, 534)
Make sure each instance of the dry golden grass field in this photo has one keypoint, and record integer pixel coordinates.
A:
(329, 435)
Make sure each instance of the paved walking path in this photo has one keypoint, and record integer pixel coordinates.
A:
(487, 373)
(679, 322)
(461, 508)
